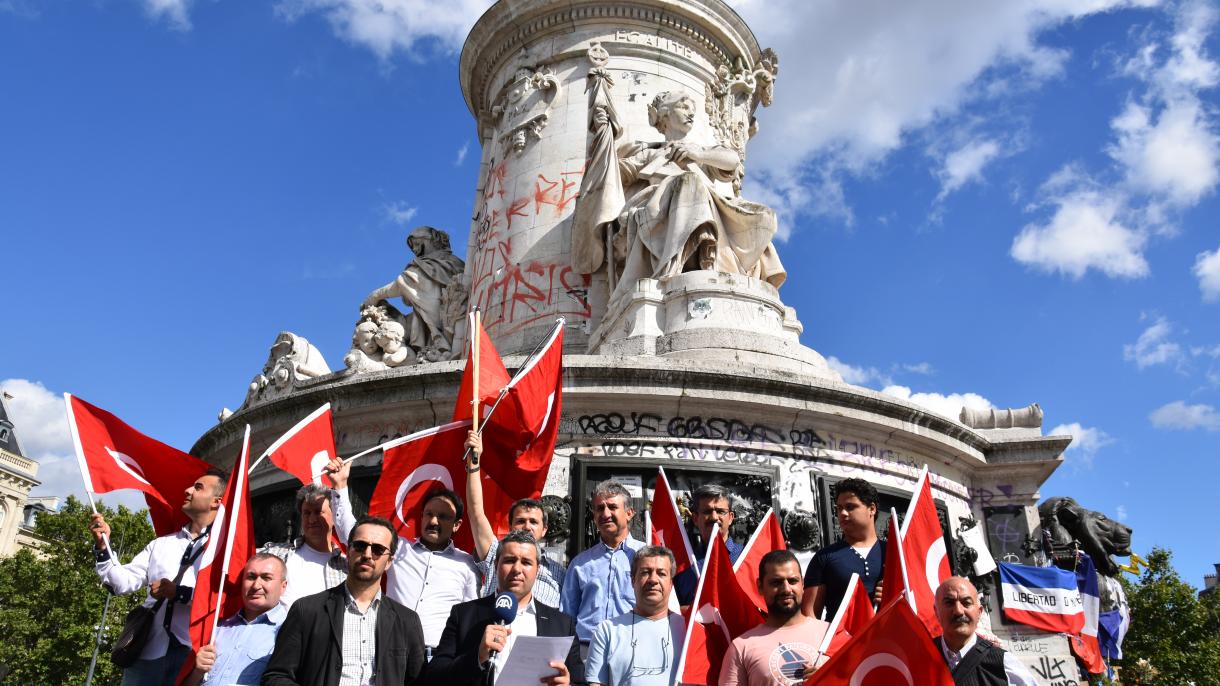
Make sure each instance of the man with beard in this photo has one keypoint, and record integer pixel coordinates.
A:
(641, 647)
(598, 583)
(429, 575)
(351, 635)
(973, 662)
(783, 650)
(243, 643)
(313, 562)
(476, 645)
(167, 566)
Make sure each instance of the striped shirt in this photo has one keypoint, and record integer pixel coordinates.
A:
(546, 586)
(359, 642)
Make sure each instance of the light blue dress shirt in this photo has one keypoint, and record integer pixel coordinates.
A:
(598, 585)
(243, 648)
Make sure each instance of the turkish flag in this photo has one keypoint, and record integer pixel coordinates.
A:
(306, 448)
(493, 377)
(519, 438)
(894, 649)
(230, 544)
(720, 613)
(414, 465)
(857, 609)
(923, 547)
(893, 580)
(114, 456)
(667, 528)
(768, 537)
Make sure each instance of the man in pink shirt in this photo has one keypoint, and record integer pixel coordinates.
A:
(782, 651)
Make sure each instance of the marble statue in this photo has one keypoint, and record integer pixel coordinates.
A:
(653, 210)
(292, 359)
(1029, 417)
(431, 285)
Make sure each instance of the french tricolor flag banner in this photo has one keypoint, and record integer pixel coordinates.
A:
(1045, 598)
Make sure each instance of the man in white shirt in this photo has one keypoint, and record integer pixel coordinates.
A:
(970, 660)
(428, 575)
(313, 561)
(641, 647)
(476, 645)
(157, 566)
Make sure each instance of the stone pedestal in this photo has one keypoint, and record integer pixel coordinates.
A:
(708, 316)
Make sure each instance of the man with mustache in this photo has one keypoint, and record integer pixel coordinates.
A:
(351, 635)
(475, 646)
(428, 575)
(641, 647)
(314, 563)
(783, 650)
(711, 504)
(598, 583)
(167, 566)
(243, 643)
(973, 662)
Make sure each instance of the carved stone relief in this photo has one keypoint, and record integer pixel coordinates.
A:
(730, 100)
(292, 359)
(523, 111)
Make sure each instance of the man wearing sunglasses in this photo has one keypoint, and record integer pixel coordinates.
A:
(351, 635)
(476, 644)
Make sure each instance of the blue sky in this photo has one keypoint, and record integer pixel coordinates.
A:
(983, 202)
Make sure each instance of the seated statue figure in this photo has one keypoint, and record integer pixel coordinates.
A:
(673, 217)
(422, 285)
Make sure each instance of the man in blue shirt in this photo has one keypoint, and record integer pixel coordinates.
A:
(859, 551)
(243, 643)
(711, 504)
(598, 583)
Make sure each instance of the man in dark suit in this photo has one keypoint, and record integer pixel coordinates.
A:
(474, 645)
(972, 662)
(351, 634)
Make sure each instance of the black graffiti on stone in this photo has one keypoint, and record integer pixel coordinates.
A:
(721, 429)
(1052, 668)
(616, 423)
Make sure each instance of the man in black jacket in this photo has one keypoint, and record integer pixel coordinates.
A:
(973, 662)
(351, 634)
(474, 645)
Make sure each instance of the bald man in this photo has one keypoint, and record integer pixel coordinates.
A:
(973, 662)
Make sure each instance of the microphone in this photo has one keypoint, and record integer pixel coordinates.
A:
(506, 612)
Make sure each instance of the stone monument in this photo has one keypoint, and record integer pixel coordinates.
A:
(614, 142)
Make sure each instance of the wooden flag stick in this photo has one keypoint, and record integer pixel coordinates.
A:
(474, 359)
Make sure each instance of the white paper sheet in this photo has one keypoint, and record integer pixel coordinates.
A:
(530, 659)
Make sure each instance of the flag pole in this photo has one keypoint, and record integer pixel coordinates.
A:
(287, 435)
(694, 608)
(229, 532)
(80, 461)
(848, 597)
(474, 359)
(902, 559)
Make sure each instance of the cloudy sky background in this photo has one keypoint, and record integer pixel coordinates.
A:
(983, 203)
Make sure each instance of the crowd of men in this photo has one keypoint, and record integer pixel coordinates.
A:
(312, 615)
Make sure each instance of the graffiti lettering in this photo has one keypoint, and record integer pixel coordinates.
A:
(615, 423)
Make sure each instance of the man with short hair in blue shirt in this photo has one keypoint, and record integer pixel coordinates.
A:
(243, 643)
(859, 551)
(598, 583)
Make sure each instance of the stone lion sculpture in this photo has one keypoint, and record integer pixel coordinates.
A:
(1065, 521)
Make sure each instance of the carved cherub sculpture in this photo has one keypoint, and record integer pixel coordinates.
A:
(390, 339)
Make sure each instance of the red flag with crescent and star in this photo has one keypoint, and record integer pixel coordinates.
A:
(667, 527)
(305, 449)
(923, 546)
(114, 456)
(769, 536)
(895, 649)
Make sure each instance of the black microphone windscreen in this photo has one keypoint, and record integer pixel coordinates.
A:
(506, 607)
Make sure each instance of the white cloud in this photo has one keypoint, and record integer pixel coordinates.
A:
(965, 164)
(949, 406)
(391, 26)
(1207, 270)
(177, 13)
(872, 73)
(461, 154)
(41, 425)
(1154, 346)
(858, 376)
(924, 368)
(1121, 512)
(1085, 233)
(1086, 441)
(399, 212)
(1172, 152)
(1179, 415)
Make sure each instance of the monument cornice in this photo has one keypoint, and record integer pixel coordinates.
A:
(711, 26)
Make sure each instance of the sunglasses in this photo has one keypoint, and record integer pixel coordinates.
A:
(376, 550)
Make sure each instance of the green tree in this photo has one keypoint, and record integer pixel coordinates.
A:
(1171, 627)
(51, 603)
